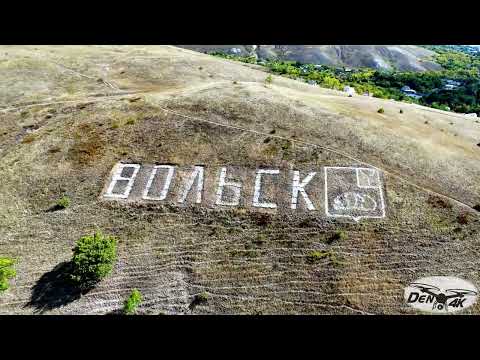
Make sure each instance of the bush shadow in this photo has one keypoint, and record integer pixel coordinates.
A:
(55, 289)
(55, 207)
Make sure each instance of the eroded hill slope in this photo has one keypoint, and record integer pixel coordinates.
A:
(386, 57)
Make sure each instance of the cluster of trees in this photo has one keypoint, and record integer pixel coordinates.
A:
(245, 59)
(456, 65)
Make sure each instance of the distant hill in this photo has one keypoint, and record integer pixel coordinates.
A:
(400, 57)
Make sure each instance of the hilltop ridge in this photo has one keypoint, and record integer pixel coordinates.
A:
(385, 57)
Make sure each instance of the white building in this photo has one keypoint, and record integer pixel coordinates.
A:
(410, 92)
(349, 90)
(449, 87)
(451, 84)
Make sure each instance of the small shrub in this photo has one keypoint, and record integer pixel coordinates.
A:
(316, 255)
(380, 111)
(130, 121)
(131, 304)
(6, 272)
(29, 139)
(93, 258)
(462, 219)
(54, 149)
(198, 299)
(235, 82)
(262, 219)
(269, 79)
(401, 111)
(260, 240)
(477, 207)
(338, 235)
(438, 202)
(202, 297)
(63, 203)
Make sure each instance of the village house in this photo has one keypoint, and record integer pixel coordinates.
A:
(406, 90)
(449, 84)
(449, 87)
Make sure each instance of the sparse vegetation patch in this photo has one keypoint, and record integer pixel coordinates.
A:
(63, 202)
(317, 255)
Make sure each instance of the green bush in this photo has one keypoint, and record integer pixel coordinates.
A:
(380, 111)
(131, 304)
(63, 202)
(339, 235)
(269, 79)
(93, 258)
(6, 272)
(315, 256)
(202, 297)
(401, 111)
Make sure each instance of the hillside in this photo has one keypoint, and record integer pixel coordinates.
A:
(69, 114)
(386, 57)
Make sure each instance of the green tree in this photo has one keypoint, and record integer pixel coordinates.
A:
(331, 83)
(6, 272)
(93, 258)
(132, 302)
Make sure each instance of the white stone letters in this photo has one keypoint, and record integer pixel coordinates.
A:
(258, 185)
(118, 178)
(166, 185)
(298, 187)
(197, 173)
(235, 187)
(344, 192)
